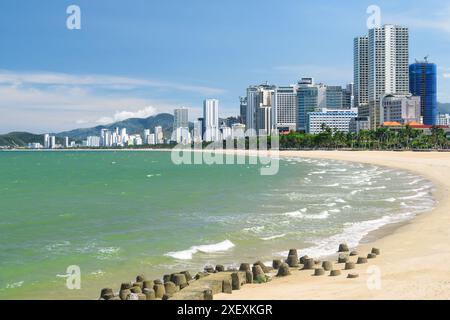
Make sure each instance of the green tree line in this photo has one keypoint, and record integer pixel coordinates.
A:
(383, 138)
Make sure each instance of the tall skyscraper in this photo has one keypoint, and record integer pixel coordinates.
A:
(286, 108)
(181, 118)
(211, 119)
(388, 49)
(348, 97)
(361, 74)
(243, 109)
(310, 97)
(159, 135)
(423, 83)
(47, 141)
(260, 105)
(334, 97)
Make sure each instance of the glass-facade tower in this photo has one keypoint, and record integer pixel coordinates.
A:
(423, 83)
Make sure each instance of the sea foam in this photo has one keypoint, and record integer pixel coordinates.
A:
(208, 248)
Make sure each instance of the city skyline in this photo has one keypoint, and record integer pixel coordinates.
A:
(76, 85)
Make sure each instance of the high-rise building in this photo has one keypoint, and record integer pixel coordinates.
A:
(423, 83)
(66, 142)
(181, 118)
(403, 109)
(105, 138)
(197, 133)
(159, 135)
(47, 141)
(388, 49)
(93, 141)
(361, 74)
(211, 119)
(286, 108)
(334, 96)
(260, 108)
(52, 142)
(150, 139)
(243, 109)
(310, 97)
(348, 97)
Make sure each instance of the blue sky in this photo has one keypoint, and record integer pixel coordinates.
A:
(140, 57)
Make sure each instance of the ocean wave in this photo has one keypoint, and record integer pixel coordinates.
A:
(375, 188)
(415, 196)
(273, 237)
(301, 214)
(14, 285)
(416, 181)
(298, 213)
(318, 172)
(207, 248)
(352, 234)
(332, 185)
(107, 253)
(255, 229)
(390, 199)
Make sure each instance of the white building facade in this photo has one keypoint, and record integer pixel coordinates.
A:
(211, 120)
(400, 108)
(388, 72)
(335, 119)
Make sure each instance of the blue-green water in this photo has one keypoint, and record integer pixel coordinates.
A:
(118, 214)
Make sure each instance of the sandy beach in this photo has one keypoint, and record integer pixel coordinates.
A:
(415, 257)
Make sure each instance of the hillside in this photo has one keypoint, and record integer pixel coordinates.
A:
(134, 126)
(20, 139)
(444, 107)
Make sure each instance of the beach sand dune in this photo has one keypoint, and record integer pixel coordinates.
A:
(415, 257)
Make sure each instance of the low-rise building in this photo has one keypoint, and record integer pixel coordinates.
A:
(338, 120)
(400, 108)
(359, 123)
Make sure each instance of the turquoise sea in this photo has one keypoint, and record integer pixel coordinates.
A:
(118, 214)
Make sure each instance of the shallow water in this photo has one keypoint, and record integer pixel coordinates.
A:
(117, 214)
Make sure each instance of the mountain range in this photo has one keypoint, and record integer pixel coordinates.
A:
(444, 107)
(133, 126)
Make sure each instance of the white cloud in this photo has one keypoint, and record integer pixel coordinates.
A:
(103, 81)
(55, 102)
(123, 115)
(438, 20)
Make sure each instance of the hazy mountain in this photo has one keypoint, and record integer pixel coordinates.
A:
(444, 107)
(134, 126)
(20, 139)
